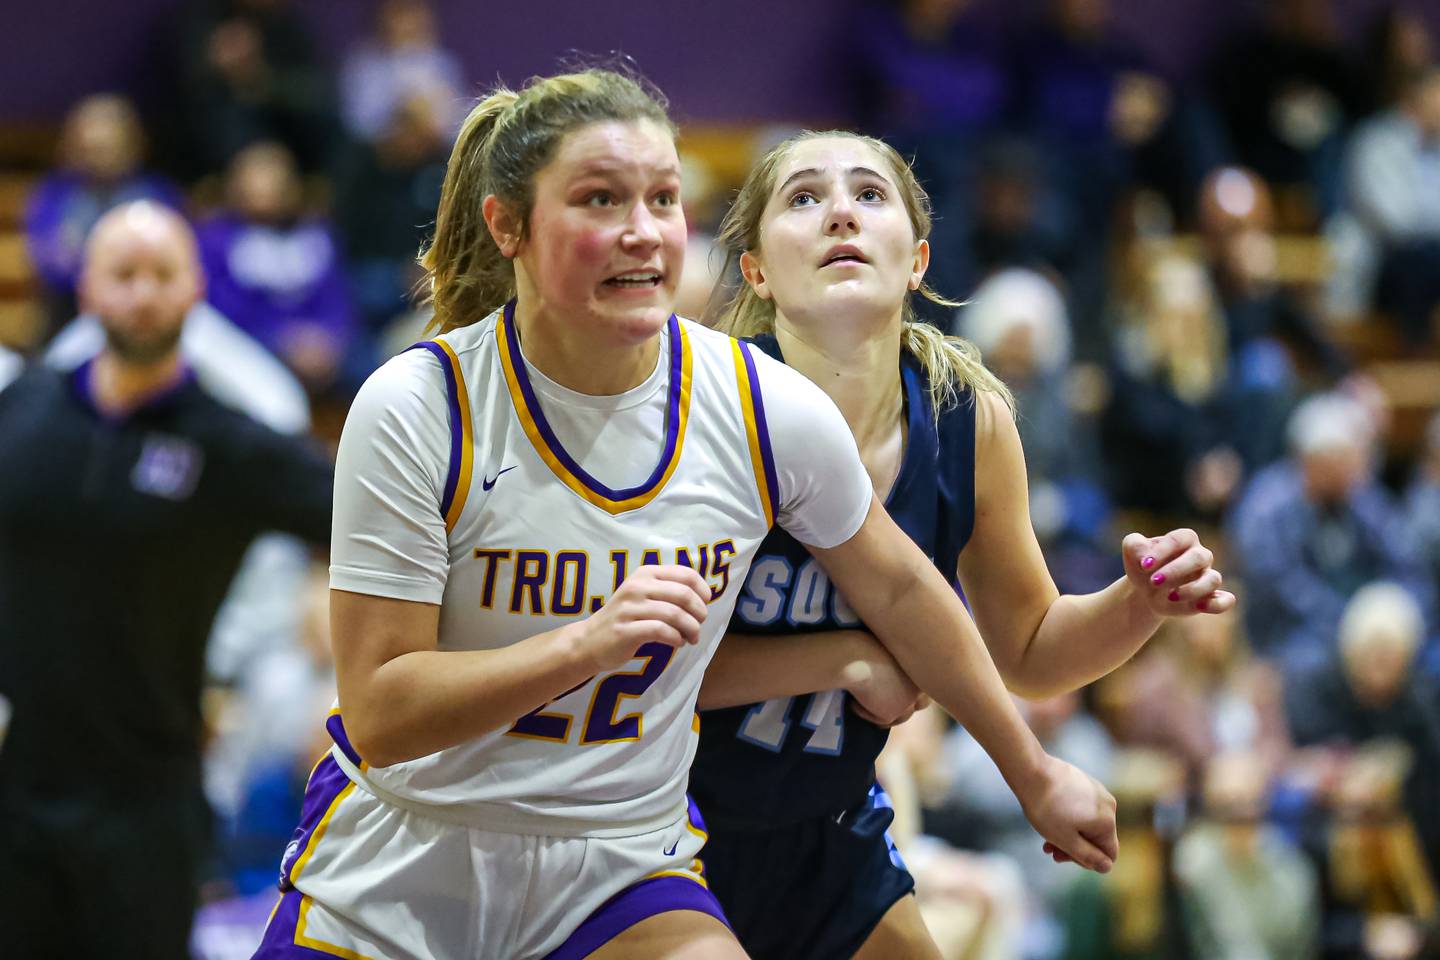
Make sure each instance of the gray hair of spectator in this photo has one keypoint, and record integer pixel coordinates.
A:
(1380, 614)
(950, 363)
(1329, 421)
(1018, 297)
(504, 142)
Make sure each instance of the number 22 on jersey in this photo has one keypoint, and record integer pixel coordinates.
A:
(601, 725)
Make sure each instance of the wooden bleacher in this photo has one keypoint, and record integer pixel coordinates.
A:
(21, 316)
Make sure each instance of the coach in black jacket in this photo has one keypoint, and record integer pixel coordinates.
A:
(127, 497)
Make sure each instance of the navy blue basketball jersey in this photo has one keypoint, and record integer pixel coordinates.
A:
(794, 758)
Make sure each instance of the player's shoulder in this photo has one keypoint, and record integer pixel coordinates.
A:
(414, 379)
(471, 338)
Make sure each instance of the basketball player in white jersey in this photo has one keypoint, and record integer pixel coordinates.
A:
(543, 518)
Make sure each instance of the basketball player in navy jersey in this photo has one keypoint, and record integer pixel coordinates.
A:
(830, 232)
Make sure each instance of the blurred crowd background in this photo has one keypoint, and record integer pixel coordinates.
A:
(1200, 243)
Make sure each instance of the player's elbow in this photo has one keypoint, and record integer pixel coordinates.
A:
(1027, 688)
(1030, 679)
(377, 744)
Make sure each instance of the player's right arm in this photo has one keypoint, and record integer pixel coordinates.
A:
(401, 696)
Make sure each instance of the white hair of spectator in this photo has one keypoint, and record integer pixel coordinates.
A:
(1380, 615)
(1329, 421)
(1019, 297)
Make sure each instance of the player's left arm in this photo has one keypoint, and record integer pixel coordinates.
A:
(1044, 643)
(826, 502)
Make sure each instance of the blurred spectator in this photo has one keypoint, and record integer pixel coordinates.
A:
(1015, 221)
(1194, 692)
(140, 486)
(1246, 893)
(1387, 238)
(932, 70)
(1108, 118)
(1382, 894)
(1266, 324)
(1369, 690)
(936, 81)
(101, 155)
(276, 272)
(1018, 320)
(262, 609)
(1288, 95)
(1099, 114)
(1170, 424)
(1127, 914)
(1084, 87)
(1311, 530)
(249, 72)
(402, 62)
(1423, 501)
(385, 200)
(1399, 47)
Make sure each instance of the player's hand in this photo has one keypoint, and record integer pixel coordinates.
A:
(654, 605)
(881, 692)
(1075, 814)
(1173, 574)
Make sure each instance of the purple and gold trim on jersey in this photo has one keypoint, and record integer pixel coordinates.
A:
(285, 937)
(462, 439)
(285, 933)
(327, 787)
(336, 728)
(661, 893)
(758, 434)
(548, 446)
(694, 822)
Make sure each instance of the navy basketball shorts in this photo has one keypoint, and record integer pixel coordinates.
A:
(812, 890)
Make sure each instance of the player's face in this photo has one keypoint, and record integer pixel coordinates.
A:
(835, 238)
(140, 280)
(607, 235)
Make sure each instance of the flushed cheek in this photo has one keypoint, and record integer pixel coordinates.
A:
(581, 256)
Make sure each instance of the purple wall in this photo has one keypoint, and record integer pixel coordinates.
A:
(743, 60)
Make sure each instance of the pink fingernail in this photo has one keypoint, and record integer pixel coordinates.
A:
(1174, 595)
(1158, 579)
(1147, 563)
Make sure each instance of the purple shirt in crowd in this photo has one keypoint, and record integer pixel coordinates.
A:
(65, 206)
(271, 280)
(960, 83)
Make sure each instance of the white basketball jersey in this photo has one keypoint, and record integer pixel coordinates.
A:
(532, 541)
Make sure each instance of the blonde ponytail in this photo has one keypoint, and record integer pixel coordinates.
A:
(468, 276)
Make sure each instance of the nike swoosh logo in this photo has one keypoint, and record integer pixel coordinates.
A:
(671, 851)
(487, 482)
